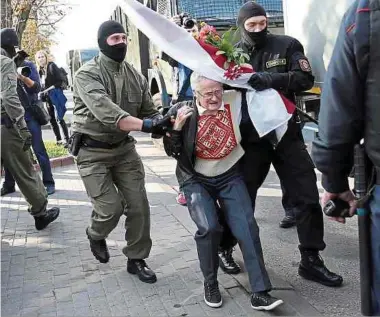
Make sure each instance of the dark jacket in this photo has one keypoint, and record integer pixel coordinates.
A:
(53, 76)
(283, 57)
(181, 144)
(350, 98)
(29, 96)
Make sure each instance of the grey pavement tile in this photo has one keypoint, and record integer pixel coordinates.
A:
(138, 310)
(65, 306)
(75, 261)
(194, 310)
(45, 255)
(31, 299)
(13, 281)
(95, 290)
(10, 309)
(18, 259)
(29, 312)
(46, 265)
(84, 311)
(61, 269)
(47, 314)
(66, 312)
(78, 285)
(119, 310)
(81, 299)
(17, 270)
(63, 294)
(61, 281)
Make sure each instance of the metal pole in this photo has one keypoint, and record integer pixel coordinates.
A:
(364, 224)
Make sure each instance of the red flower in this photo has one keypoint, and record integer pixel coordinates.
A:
(207, 30)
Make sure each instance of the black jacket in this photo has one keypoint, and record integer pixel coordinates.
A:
(350, 102)
(53, 76)
(283, 57)
(181, 144)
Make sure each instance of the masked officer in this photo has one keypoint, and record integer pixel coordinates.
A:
(349, 112)
(110, 98)
(16, 138)
(280, 63)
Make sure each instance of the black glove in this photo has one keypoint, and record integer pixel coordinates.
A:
(261, 81)
(27, 138)
(156, 126)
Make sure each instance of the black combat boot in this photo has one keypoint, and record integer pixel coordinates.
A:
(227, 263)
(42, 222)
(144, 273)
(99, 249)
(313, 268)
(289, 220)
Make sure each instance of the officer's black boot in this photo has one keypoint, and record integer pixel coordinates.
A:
(142, 270)
(99, 249)
(42, 222)
(313, 268)
(289, 220)
(227, 263)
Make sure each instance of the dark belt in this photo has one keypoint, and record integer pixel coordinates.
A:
(89, 142)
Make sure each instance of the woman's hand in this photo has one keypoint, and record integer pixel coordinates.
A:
(182, 115)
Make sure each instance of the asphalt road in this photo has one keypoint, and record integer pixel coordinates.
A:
(281, 252)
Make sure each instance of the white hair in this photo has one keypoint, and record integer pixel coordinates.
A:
(195, 79)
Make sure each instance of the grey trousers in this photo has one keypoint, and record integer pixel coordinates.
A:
(229, 189)
(114, 181)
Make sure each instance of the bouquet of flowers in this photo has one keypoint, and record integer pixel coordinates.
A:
(222, 50)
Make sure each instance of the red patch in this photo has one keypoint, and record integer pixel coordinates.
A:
(215, 137)
(304, 64)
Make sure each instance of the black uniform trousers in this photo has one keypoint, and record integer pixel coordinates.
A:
(295, 169)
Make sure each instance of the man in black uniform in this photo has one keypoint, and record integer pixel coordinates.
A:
(280, 63)
(350, 112)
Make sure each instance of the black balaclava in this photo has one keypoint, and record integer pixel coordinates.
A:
(9, 41)
(248, 10)
(116, 52)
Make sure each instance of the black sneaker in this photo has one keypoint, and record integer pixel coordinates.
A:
(42, 222)
(263, 301)
(6, 190)
(212, 295)
(227, 263)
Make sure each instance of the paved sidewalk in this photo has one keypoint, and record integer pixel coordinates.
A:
(53, 272)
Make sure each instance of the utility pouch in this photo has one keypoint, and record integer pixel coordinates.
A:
(75, 143)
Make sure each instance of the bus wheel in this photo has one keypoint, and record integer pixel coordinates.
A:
(156, 98)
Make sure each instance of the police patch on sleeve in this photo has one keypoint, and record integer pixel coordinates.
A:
(304, 64)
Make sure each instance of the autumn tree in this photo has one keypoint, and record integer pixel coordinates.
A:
(35, 21)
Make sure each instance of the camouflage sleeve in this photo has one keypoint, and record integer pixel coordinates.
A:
(92, 92)
(10, 101)
(147, 107)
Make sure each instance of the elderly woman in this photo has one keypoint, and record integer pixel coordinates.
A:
(205, 141)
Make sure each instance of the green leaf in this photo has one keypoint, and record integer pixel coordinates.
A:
(220, 53)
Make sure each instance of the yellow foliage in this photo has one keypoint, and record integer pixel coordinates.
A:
(33, 41)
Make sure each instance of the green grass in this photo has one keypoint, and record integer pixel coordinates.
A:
(54, 150)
